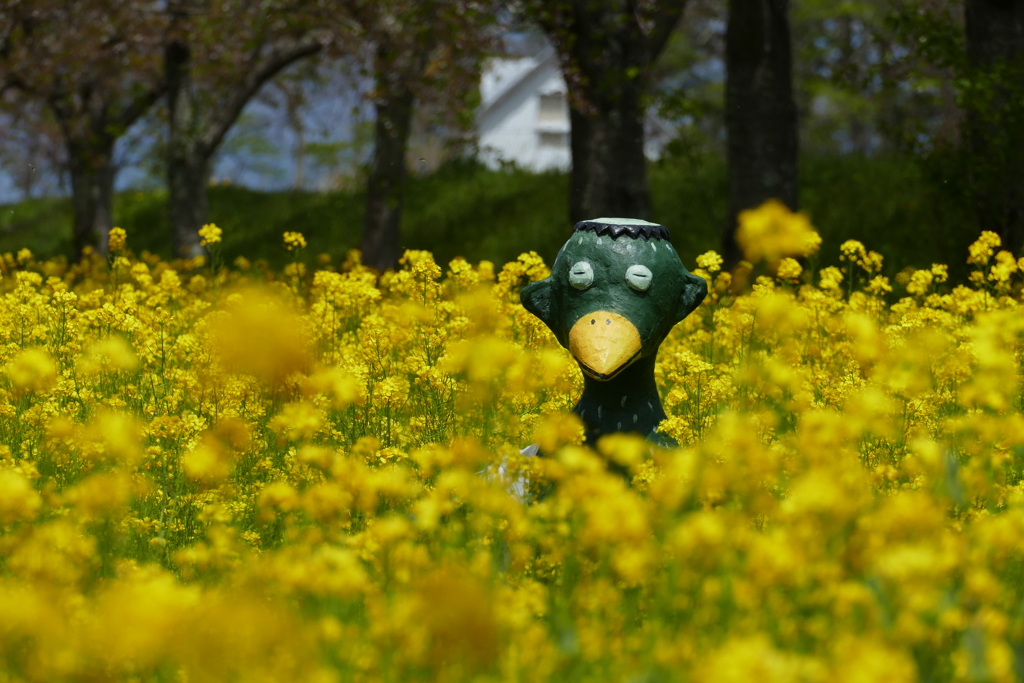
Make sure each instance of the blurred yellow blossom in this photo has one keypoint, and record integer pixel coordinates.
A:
(771, 232)
(258, 333)
(854, 252)
(789, 269)
(210, 234)
(209, 462)
(117, 239)
(112, 353)
(294, 240)
(299, 420)
(1004, 267)
(831, 278)
(920, 282)
(19, 501)
(31, 370)
(982, 249)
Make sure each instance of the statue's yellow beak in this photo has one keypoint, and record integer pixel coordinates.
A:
(604, 344)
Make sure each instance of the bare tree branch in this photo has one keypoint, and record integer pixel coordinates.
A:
(279, 56)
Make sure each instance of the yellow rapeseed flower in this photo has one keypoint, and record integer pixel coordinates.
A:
(982, 249)
(32, 370)
(19, 501)
(771, 232)
(319, 483)
(294, 240)
(210, 234)
(789, 269)
(117, 239)
(710, 261)
(208, 462)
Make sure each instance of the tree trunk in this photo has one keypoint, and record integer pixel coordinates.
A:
(92, 193)
(609, 169)
(760, 114)
(294, 108)
(188, 163)
(300, 159)
(26, 180)
(187, 178)
(386, 184)
(607, 49)
(195, 133)
(995, 119)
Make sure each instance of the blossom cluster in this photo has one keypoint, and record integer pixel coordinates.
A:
(230, 474)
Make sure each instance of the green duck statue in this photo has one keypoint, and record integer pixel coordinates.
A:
(616, 289)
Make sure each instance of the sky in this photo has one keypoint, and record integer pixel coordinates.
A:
(259, 151)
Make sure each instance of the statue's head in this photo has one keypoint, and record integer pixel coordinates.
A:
(616, 289)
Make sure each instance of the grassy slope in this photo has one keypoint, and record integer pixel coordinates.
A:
(467, 211)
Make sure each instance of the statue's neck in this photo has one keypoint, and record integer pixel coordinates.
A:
(627, 403)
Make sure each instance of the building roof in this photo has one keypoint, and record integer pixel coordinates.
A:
(505, 78)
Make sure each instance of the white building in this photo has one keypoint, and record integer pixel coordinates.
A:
(524, 116)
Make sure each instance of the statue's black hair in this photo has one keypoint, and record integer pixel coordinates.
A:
(648, 231)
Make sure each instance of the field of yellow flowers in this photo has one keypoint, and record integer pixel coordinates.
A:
(214, 473)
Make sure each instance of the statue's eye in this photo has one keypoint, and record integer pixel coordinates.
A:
(581, 275)
(639, 277)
